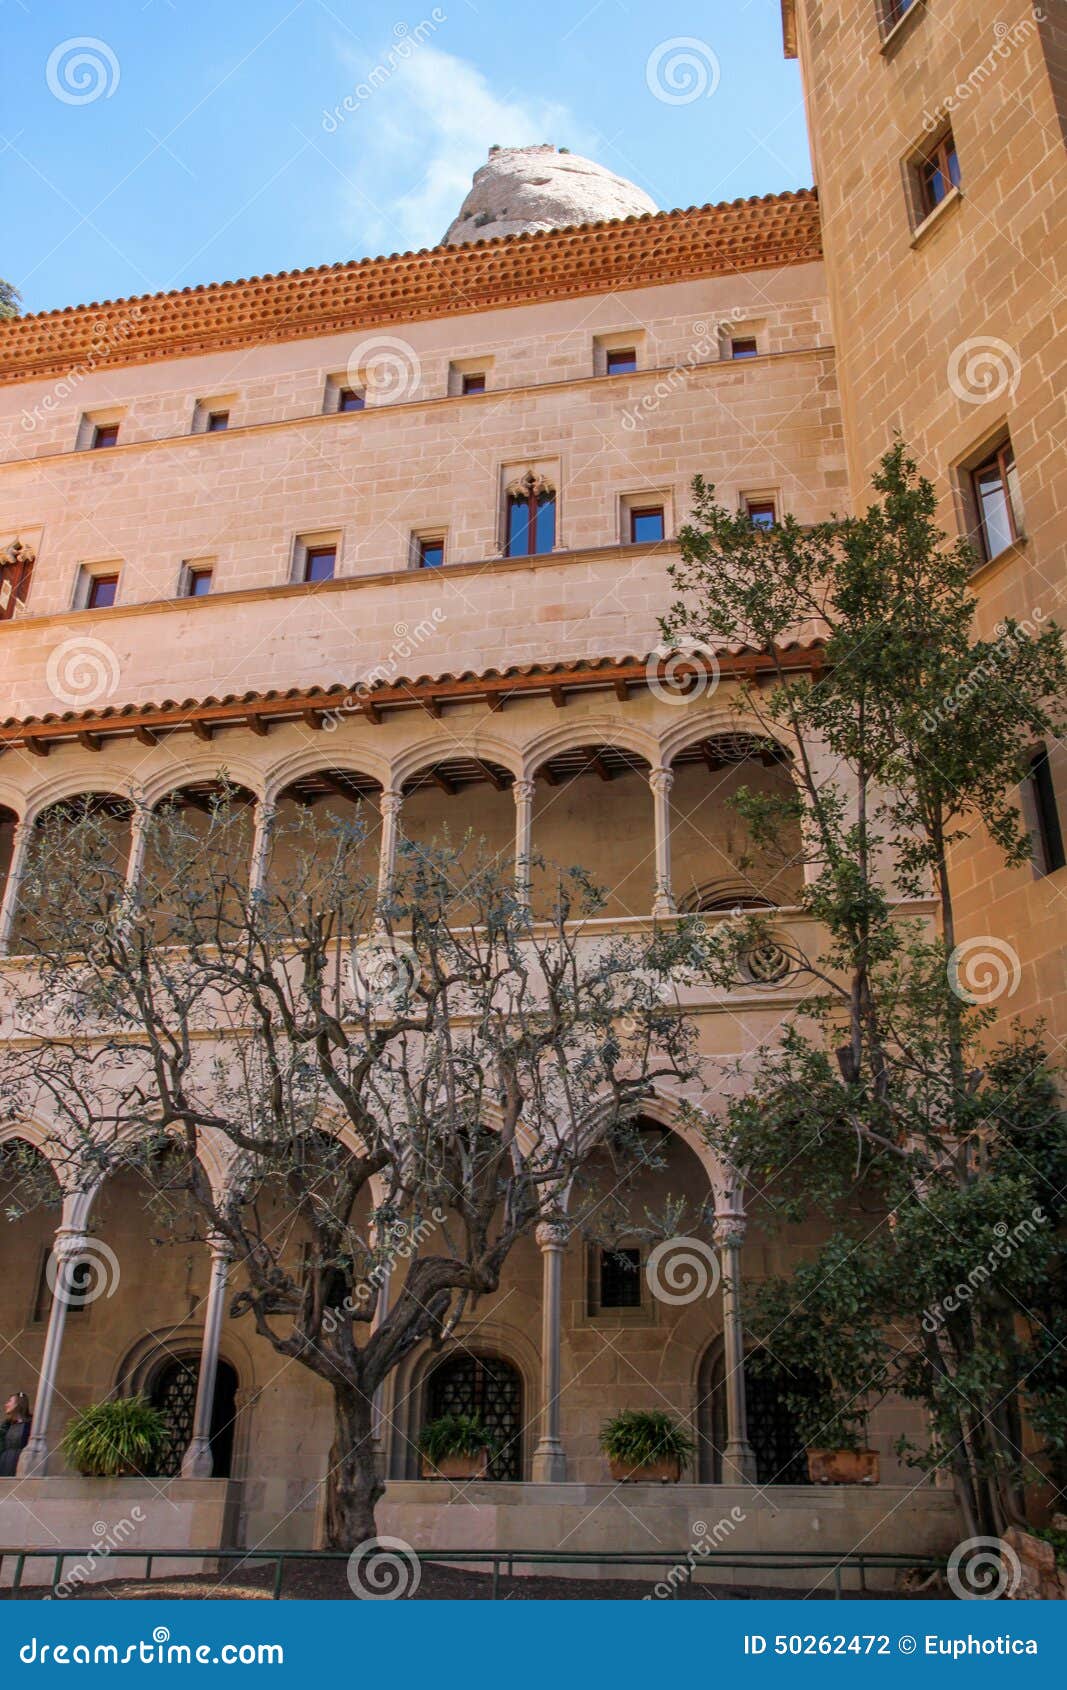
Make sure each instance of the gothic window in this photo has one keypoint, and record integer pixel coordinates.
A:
(16, 570)
(531, 517)
(173, 1392)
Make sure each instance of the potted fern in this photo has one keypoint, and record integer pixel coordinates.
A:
(456, 1446)
(645, 1445)
(113, 1439)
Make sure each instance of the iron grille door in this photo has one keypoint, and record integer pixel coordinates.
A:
(490, 1388)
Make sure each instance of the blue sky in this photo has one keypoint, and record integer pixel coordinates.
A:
(154, 144)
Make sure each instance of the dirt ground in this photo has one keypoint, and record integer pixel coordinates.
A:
(328, 1581)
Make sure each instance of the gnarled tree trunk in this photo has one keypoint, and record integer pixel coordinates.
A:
(353, 1484)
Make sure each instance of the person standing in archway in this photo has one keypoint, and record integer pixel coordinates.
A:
(15, 1433)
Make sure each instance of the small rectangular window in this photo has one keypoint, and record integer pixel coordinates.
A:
(761, 512)
(198, 584)
(103, 591)
(431, 553)
(79, 1288)
(320, 563)
(646, 524)
(620, 1279)
(745, 347)
(474, 383)
(1048, 834)
(622, 361)
(997, 500)
(218, 422)
(105, 434)
(350, 399)
(936, 169)
(894, 11)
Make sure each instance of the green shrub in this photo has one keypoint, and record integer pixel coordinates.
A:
(642, 1436)
(455, 1434)
(111, 1438)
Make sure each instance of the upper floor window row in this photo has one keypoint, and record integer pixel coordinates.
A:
(344, 394)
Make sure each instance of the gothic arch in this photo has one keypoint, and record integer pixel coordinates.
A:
(589, 730)
(489, 1338)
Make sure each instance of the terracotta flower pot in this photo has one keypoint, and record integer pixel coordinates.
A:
(666, 1472)
(457, 1466)
(843, 1466)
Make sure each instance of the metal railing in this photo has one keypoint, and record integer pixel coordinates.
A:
(685, 1561)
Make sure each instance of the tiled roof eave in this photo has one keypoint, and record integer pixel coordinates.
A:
(634, 252)
(493, 687)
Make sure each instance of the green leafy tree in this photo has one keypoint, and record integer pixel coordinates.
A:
(10, 299)
(911, 734)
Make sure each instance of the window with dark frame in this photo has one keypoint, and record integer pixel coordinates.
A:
(894, 11)
(646, 524)
(105, 434)
(761, 512)
(431, 553)
(350, 399)
(531, 521)
(1050, 854)
(103, 591)
(320, 563)
(622, 361)
(937, 172)
(745, 347)
(16, 573)
(473, 384)
(997, 501)
(218, 422)
(79, 1288)
(198, 583)
(619, 1277)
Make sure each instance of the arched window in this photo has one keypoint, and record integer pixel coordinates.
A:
(16, 569)
(780, 1456)
(531, 516)
(490, 1388)
(173, 1392)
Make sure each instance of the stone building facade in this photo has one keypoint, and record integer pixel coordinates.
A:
(270, 527)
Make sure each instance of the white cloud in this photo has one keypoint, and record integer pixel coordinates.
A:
(416, 136)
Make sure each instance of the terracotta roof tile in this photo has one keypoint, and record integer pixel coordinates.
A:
(736, 235)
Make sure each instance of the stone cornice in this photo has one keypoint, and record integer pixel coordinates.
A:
(789, 28)
(636, 252)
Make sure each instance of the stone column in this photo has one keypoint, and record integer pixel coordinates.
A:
(738, 1462)
(197, 1460)
(261, 838)
(68, 1246)
(661, 780)
(523, 793)
(23, 833)
(135, 859)
(390, 805)
(550, 1459)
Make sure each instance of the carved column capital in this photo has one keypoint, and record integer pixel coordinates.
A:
(729, 1230)
(390, 801)
(661, 780)
(552, 1235)
(523, 791)
(70, 1244)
